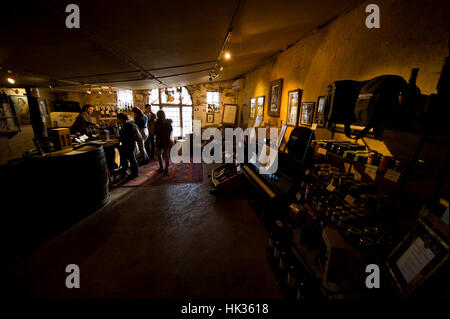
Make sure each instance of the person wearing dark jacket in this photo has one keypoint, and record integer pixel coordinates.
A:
(163, 130)
(129, 135)
(84, 121)
(150, 142)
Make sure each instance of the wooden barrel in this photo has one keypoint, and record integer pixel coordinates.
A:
(73, 181)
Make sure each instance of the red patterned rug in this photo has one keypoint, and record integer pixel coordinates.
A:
(178, 173)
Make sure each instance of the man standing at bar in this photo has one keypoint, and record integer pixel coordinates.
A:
(84, 120)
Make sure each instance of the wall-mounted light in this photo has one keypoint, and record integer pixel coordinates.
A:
(227, 55)
(11, 80)
(110, 91)
(101, 91)
(89, 91)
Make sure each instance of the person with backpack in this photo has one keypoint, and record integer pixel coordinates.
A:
(163, 130)
(129, 135)
(150, 141)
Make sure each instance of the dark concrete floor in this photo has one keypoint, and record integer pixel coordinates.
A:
(168, 241)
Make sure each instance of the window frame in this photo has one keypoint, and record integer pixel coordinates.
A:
(179, 105)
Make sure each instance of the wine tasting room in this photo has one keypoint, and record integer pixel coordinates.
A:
(291, 150)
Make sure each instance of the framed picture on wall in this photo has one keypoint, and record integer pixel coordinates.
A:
(275, 90)
(307, 113)
(212, 108)
(294, 98)
(22, 109)
(252, 108)
(320, 112)
(210, 118)
(260, 105)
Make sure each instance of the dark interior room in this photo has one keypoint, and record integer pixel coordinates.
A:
(288, 151)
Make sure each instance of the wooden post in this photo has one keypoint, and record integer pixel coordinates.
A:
(38, 121)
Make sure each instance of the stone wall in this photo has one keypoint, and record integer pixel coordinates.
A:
(412, 34)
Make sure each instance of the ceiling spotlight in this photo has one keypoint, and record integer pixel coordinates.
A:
(11, 80)
(100, 92)
(227, 55)
(89, 91)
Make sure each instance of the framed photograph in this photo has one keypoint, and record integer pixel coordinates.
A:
(418, 256)
(307, 113)
(320, 112)
(229, 114)
(210, 118)
(275, 90)
(22, 109)
(294, 98)
(260, 105)
(252, 108)
(281, 135)
(42, 107)
(212, 108)
(258, 121)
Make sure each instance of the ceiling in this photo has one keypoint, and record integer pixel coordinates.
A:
(147, 44)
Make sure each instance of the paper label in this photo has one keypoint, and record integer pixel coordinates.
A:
(314, 127)
(371, 170)
(414, 260)
(331, 188)
(349, 199)
(298, 196)
(392, 175)
(322, 151)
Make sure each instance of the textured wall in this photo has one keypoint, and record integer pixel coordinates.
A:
(413, 33)
(198, 95)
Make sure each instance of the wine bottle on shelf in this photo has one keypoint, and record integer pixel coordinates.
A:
(102, 113)
(107, 111)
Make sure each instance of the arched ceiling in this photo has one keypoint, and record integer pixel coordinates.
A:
(146, 44)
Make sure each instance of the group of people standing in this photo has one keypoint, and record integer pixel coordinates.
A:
(150, 132)
(152, 135)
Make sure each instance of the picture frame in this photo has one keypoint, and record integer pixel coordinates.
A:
(275, 91)
(417, 257)
(212, 108)
(293, 108)
(229, 114)
(42, 106)
(210, 118)
(22, 108)
(252, 108)
(258, 121)
(307, 113)
(281, 135)
(260, 105)
(319, 117)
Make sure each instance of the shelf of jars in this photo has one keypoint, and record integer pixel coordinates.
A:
(336, 209)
